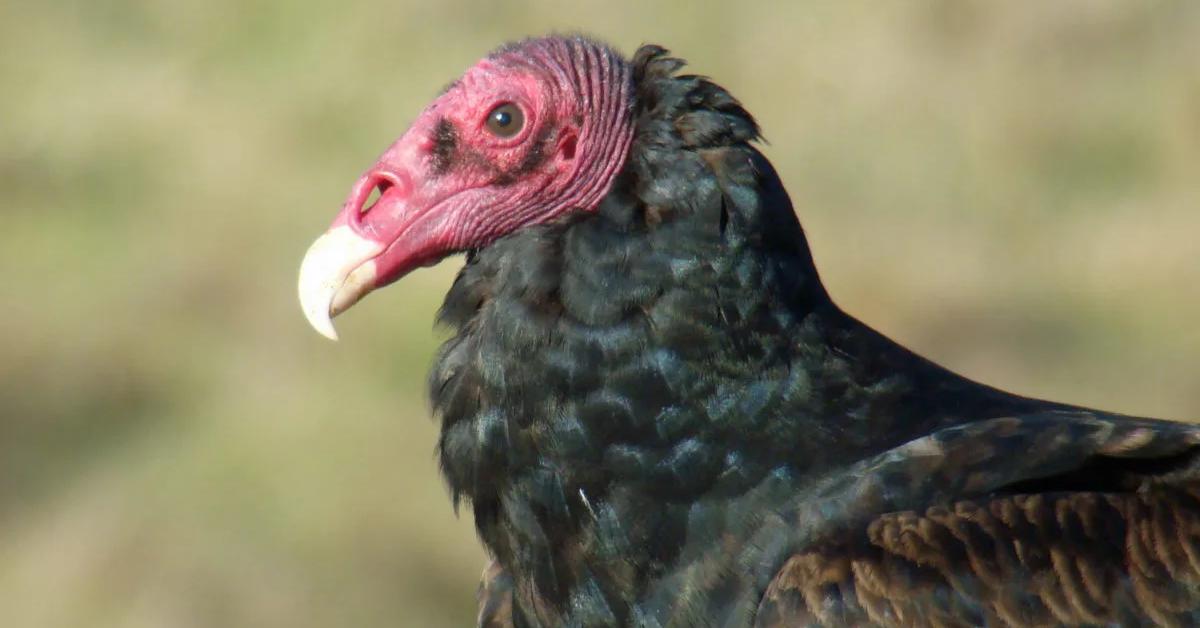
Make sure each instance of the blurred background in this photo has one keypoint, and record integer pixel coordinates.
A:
(1009, 188)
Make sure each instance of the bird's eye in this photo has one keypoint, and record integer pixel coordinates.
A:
(505, 120)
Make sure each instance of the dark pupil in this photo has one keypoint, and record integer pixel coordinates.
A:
(502, 118)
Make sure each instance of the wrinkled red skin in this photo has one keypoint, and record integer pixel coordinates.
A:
(580, 124)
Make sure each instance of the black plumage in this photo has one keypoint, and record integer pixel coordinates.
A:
(659, 418)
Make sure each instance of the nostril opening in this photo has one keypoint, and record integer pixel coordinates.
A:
(376, 193)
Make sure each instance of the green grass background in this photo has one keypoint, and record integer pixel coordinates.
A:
(1010, 188)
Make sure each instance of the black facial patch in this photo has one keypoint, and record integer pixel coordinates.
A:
(534, 157)
(529, 162)
(445, 144)
(448, 154)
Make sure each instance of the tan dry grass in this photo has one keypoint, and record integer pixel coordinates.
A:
(1008, 187)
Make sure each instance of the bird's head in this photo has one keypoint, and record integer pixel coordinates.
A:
(535, 130)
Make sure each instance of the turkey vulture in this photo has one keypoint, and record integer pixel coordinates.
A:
(660, 418)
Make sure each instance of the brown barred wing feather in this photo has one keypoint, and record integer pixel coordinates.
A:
(1017, 560)
(1112, 537)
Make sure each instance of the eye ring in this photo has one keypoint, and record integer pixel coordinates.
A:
(505, 120)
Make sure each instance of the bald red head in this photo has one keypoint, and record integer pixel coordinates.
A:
(533, 131)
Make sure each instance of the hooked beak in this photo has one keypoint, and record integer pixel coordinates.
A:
(337, 271)
(339, 268)
(367, 247)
